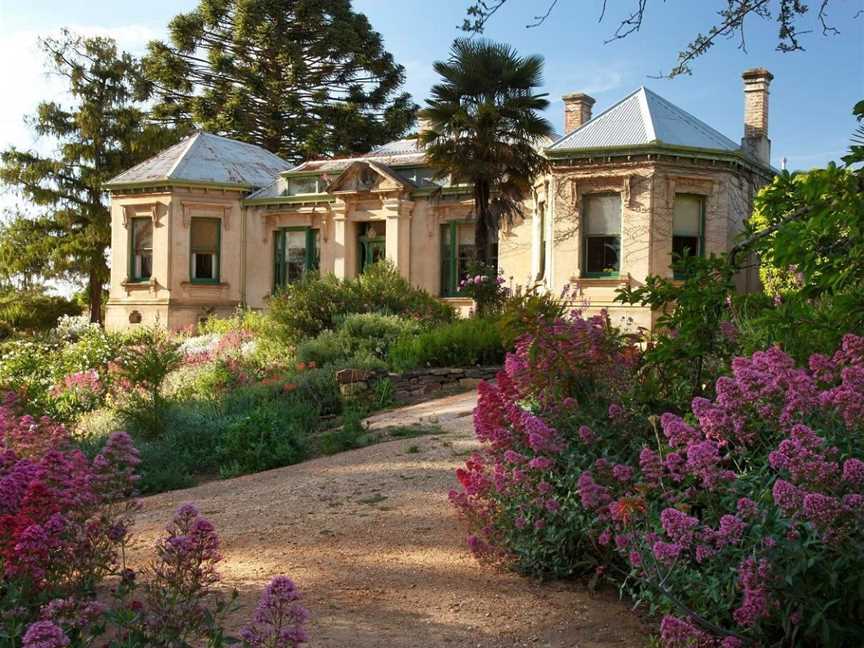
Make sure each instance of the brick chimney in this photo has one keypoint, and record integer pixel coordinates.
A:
(755, 141)
(577, 110)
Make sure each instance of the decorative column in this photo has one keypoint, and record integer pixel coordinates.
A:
(344, 242)
(398, 245)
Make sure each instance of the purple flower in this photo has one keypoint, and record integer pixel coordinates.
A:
(552, 505)
(44, 634)
(651, 465)
(853, 471)
(541, 463)
(666, 552)
(677, 431)
(511, 456)
(587, 435)
(678, 525)
(747, 508)
(786, 496)
(622, 472)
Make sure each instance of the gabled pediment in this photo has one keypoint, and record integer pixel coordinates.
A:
(368, 177)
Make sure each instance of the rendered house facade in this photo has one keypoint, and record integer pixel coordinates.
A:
(212, 223)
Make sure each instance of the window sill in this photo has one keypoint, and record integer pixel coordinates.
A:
(138, 283)
(204, 284)
(601, 280)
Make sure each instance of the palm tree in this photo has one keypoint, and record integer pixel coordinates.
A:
(482, 126)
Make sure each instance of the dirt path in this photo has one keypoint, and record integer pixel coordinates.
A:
(373, 543)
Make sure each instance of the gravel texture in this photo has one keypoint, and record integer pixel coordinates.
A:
(374, 545)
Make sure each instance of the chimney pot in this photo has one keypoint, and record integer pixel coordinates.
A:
(577, 110)
(756, 84)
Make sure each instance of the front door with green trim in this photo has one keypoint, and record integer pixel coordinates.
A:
(372, 244)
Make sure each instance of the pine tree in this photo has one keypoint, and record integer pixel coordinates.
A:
(301, 78)
(104, 132)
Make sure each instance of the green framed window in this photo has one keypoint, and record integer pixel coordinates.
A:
(688, 227)
(601, 239)
(371, 244)
(295, 251)
(205, 242)
(458, 251)
(140, 249)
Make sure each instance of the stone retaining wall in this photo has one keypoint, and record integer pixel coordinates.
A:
(417, 385)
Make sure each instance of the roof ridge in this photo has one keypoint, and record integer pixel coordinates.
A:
(696, 121)
(648, 116)
(192, 140)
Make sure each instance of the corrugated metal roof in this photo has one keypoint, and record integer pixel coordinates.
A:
(207, 158)
(644, 117)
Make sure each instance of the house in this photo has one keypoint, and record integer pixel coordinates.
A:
(212, 223)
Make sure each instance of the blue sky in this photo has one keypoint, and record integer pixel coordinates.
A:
(811, 97)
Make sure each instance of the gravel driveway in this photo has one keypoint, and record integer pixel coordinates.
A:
(372, 542)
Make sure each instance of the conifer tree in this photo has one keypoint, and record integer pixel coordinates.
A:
(104, 131)
(301, 78)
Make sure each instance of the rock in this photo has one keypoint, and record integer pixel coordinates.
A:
(469, 383)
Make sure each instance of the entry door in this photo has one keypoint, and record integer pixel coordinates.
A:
(372, 243)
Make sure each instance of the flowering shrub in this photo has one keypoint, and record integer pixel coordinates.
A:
(486, 287)
(740, 522)
(62, 374)
(520, 493)
(64, 521)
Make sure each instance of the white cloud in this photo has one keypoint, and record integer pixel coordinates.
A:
(23, 74)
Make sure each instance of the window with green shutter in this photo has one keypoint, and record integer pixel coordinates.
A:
(295, 254)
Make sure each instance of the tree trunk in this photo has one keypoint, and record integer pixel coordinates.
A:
(94, 290)
(481, 228)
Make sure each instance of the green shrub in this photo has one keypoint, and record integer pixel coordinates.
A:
(315, 304)
(800, 326)
(144, 365)
(161, 469)
(462, 343)
(361, 341)
(349, 436)
(319, 386)
(33, 311)
(271, 435)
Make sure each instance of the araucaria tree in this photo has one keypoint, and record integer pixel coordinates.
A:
(482, 127)
(299, 77)
(102, 133)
